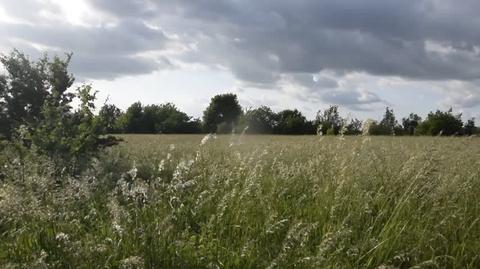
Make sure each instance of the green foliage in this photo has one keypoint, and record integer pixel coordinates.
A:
(293, 122)
(354, 127)
(469, 128)
(69, 138)
(23, 90)
(164, 118)
(223, 108)
(109, 115)
(330, 122)
(441, 123)
(133, 119)
(261, 120)
(387, 126)
(388, 122)
(410, 124)
(36, 111)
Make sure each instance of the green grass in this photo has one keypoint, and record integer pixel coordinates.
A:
(250, 202)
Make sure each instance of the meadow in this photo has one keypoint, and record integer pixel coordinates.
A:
(194, 201)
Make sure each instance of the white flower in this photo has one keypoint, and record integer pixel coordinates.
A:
(117, 228)
(161, 166)
(132, 262)
(133, 172)
(62, 237)
(206, 138)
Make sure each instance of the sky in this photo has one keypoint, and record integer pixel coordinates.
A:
(362, 55)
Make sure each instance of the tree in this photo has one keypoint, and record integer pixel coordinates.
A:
(50, 126)
(152, 119)
(387, 126)
(166, 118)
(330, 122)
(223, 108)
(411, 123)
(109, 115)
(388, 123)
(23, 89)
(293, 122)
(354, 127)
(441, 123)
(133, 119)
(4, 124)
(469, 128)
(259, 121)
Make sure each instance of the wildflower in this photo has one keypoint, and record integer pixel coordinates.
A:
(117, 228)
(132, 262)
(207, 138)
(161, 166)
(99, 248)
(62, 238)
(133, 172)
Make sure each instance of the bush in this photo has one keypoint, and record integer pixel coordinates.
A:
(38, 110)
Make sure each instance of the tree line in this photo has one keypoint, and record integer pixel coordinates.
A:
(36, 103)
(225, 115)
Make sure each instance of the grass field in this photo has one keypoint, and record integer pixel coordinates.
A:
(250, 202)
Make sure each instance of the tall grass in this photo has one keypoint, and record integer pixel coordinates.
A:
(249, 202)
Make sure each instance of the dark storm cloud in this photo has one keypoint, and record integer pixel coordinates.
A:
(264, 41)
(381, 37)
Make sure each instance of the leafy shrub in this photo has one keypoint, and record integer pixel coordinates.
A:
(38, 112)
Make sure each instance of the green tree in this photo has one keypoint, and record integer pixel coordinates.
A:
(4, 123)
(441, 123)
(410, 124)
(133, 119)
(152, 119)
(261, 120)
(387, 126)
(69, 137)
(223, 108)
(469, 128)
(293, 122)
(388, 123)
(36, 107)
(330, 122)
(167, 118)
(354, 127)
(109, 115)
(23, 90)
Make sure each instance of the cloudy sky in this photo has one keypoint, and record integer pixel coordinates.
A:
(411, 55)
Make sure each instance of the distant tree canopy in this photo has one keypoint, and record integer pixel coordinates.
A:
(469, 128)
(261, 120)
(166, 118)
(222, 114)
(329, 122)
(387, 126)
(293, 122)
(442, 123)
(109, 115)
(410, 124)
(155, 119)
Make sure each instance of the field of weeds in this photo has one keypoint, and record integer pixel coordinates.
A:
(191, 201)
